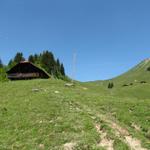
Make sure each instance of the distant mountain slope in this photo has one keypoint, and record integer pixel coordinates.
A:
(134, 83)
(137, 74)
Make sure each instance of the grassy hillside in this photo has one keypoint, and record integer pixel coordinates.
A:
(134, 83)
(44, 114)
(135, 75)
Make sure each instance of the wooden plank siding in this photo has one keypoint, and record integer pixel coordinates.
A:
(23, 75)
(26, 70)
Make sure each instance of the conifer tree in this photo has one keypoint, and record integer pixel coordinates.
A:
(58, 64)
(1, 64)
(48, 61)
(110, 85)
(62, 69)
(31, 59)
(37, 58)
(19, 57)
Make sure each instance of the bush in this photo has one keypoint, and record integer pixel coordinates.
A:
(110, 85)
(3, 75)
(65, 78)
(148, 69)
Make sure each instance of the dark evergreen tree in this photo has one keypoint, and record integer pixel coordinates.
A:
(110, 85)
(148, 69)
(48, 62)
(57, 69)
(37, 58)
(19, 57)
(10, 62)
(62, 69)
(1, 64)
(31, 59)
(58, 64)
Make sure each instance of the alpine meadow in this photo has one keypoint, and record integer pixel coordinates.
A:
(74, 74)
(52, 114)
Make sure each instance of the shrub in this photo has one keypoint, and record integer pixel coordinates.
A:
(143, 82)
(125, 85)
(148, 69)
(110, 85)
(3, 75)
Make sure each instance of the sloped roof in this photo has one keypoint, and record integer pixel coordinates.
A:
(27, 62)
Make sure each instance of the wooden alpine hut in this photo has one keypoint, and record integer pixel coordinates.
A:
(26, 70)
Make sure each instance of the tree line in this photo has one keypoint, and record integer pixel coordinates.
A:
(44, 60)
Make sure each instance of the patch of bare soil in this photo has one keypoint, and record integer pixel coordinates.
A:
(69, 146)
(120, 132)
(104, 142)
(133, 143)
(136, 127)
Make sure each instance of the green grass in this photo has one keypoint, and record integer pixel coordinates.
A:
(29, 118)
(128, 105)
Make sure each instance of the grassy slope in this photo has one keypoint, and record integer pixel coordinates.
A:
(134, 76)
(128, 104)
(137, 74)
(29, 118)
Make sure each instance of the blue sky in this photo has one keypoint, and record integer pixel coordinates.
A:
(109, 36)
